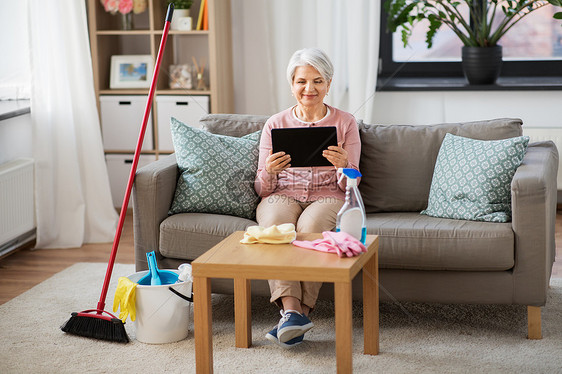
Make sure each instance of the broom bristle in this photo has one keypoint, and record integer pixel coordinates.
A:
(91, 326)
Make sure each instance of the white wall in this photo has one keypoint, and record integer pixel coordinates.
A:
(14, 64)
(535, 108)
(15, 132)
(538, 110)
(15, 138)
(253, 89)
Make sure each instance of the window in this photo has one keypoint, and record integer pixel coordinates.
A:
(532, 48)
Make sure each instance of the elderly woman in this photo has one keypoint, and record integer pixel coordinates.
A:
(310, 197)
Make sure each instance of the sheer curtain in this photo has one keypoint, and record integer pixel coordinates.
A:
(348, 31)
(73, 198)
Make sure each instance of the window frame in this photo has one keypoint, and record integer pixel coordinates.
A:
(388, 68)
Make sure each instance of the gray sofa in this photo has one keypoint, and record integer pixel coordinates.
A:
(422, 258)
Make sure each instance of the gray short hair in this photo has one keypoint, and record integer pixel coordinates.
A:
(313, 57)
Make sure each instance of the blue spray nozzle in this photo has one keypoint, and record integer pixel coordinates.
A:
(351, 173)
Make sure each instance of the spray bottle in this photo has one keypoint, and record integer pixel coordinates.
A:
(351, 217)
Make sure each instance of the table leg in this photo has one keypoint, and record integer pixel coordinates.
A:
(202, 320)
(344, 332)
(371, 306)
(243, 313)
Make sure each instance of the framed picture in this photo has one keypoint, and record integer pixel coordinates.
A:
(131, 71)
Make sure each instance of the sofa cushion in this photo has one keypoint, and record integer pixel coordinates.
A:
(217, 172)
(472, 178)
(232, 124)
(419, 242)
(397, 161)
(187, 236)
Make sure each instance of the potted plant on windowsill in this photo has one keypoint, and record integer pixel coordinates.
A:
(480, 31)
(181, 19)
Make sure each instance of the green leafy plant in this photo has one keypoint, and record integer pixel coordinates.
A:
(487, 20)
(180, 4)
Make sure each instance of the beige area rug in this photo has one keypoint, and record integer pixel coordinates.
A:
(415, 338)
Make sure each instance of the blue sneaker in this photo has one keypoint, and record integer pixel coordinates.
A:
(292, 325)
(272, 336)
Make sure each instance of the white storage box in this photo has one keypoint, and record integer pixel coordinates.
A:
(118, 169)
(187, 109)
(121, 121)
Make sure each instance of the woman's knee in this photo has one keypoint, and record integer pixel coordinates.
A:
(319, 216)
(276, 210)
(315, 223)
(309, 224)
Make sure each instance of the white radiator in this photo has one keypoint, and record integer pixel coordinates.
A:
(17, 216)
(542, 134)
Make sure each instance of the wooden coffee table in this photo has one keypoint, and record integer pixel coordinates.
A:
(243, 262)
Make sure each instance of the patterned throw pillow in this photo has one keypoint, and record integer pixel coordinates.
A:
(217, 172)
(472, 178)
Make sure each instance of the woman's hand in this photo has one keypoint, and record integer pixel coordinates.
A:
(277, 162)
(336, 155)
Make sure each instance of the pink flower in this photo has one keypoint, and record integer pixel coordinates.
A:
(139, 6)
(125, 6)
(111, 6)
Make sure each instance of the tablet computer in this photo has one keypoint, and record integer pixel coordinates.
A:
(304, 144)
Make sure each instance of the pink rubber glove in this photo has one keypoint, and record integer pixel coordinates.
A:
(341, 243)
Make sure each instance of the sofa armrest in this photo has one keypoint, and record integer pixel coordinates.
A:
(153, 192)
(533, 200)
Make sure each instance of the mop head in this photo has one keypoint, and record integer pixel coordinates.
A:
(93, 324)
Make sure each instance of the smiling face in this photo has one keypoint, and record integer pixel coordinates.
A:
(309, 87)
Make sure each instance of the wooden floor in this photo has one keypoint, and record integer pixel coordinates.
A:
(26, 268)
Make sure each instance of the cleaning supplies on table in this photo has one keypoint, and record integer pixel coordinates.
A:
(341, 243)
(276, 234)
(125, 299)
(155, 276)
(351, 217)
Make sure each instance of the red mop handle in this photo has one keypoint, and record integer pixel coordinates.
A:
(101, 303)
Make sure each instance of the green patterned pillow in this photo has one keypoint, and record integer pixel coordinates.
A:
(472, 178)
(217, 172)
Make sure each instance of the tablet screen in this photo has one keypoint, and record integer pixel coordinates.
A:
(305, 144)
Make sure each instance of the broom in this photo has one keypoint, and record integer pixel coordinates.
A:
(97, 323)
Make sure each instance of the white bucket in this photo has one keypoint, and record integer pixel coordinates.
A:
(162, 315)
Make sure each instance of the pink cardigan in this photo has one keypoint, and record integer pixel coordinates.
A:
(308, 183)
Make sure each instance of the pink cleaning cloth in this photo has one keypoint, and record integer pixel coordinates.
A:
(341, 243)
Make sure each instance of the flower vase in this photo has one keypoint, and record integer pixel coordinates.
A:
(127, 21)
(201, 82)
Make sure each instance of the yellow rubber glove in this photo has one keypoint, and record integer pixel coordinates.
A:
(276, 234)
(125, 297)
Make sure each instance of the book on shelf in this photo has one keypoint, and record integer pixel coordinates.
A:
(200, 18)
(206, 16)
